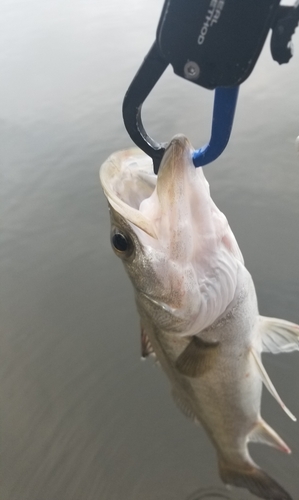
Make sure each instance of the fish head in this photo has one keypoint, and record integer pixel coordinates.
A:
(176, 245)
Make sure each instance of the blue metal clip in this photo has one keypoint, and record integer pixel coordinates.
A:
(225, 102)
(149, 73)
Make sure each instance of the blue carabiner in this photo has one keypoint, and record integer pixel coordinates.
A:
(225, 102)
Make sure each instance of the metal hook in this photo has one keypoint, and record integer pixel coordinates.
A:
(144, 81)
(225, 102)
(149, 73)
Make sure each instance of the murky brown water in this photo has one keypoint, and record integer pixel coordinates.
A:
(81, 417)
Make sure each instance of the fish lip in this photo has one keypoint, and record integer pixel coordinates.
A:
(178, 146)
(176, 172)
(179, 140)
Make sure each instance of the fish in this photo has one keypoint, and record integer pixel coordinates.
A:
(197, 305)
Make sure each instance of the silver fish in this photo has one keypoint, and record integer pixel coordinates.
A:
(197, 304)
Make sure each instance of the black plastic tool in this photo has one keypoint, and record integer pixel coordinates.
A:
(283, 27)
(215, 44)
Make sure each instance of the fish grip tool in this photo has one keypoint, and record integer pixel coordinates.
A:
(284, 26)
(215, 44)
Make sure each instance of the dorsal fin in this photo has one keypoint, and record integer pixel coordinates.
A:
(197, 358)
(266, 379)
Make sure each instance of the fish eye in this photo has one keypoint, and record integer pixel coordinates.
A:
(121, 243)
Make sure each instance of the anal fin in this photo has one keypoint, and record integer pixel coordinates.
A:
(266, 380)
(263, 433)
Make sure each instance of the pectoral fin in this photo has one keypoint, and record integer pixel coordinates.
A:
(146, 346)
(198, 357)
(279, 335)
(266, 380)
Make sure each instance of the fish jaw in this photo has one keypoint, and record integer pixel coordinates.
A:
(187, 222)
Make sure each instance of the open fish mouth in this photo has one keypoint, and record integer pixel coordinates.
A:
(167, 207)
(127, 179)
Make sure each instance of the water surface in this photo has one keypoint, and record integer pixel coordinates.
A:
(81, 417)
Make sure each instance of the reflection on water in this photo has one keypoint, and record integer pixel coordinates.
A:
(81, 417)
(212, 494)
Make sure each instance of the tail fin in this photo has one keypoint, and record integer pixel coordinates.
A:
(254, 479)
